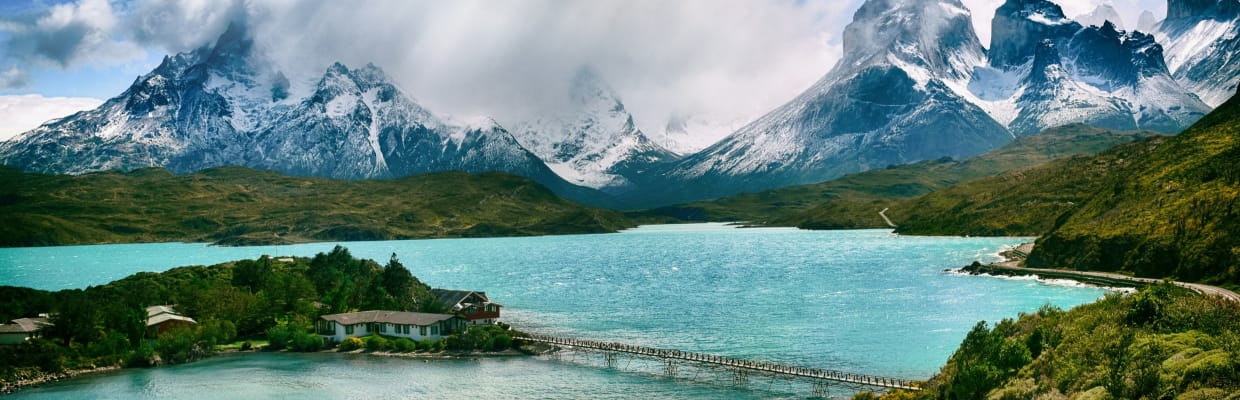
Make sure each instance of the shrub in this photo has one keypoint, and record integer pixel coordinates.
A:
(278, 337)
(177, 345)
(144, 356)
(350, 344)
(426, 345)
(376, 343)
(404, 345)
(306, 342)
(499, 342)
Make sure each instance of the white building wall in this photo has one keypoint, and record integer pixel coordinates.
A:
(359, 330)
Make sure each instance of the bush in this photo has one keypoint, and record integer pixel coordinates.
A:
(144, 356)
(177, 345)
(278, 337)
(499, 342)
(306, 342)
(216, 331)
(351, 343)
(426, 345)
(376, 343)
(404, 345)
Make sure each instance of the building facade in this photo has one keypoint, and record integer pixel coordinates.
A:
(22, 329)
(411, 325)
(475, 307)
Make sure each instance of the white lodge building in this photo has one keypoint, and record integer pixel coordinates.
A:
(412, 325)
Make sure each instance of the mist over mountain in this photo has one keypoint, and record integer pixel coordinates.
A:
(594, 142)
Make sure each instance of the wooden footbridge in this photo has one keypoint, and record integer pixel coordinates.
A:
(819, 378)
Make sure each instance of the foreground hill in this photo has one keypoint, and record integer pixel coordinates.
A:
(1161, 343)
(241, 206)
(854, 201)
(1161, 207)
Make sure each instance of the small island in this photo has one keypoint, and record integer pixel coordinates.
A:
(330, 301)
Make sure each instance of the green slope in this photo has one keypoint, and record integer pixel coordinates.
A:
(1162, 343)
(242, 206)
(1161, 207)
(853, 201)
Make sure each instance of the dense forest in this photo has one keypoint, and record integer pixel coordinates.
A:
(265, 300)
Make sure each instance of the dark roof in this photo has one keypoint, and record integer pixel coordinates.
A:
(391, 317)
(453, 298)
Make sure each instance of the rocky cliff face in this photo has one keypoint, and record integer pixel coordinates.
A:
(1046, 71)
(1201, 38)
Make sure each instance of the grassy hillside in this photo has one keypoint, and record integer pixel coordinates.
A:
(853, 201)
(1174, 212)
(1161, 343)
(1023, 202)
(242, 206)
(1161, 207)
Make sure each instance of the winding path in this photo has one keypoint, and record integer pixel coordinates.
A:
(884, 215)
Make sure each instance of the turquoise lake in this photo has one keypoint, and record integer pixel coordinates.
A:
(862, 301)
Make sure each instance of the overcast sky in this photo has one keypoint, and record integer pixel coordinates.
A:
(725, 60)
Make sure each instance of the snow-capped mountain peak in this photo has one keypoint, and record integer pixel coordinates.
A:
(226, 104)
(594, 142)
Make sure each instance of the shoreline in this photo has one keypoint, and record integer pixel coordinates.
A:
(35, 379)
(41, 378)
(1013, 265)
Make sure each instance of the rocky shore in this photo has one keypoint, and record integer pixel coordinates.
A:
(27, 377)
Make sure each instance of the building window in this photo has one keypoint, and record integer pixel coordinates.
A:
(383, 328)
(422, 330)
(348, 329)
(435, 330)
(406, 329)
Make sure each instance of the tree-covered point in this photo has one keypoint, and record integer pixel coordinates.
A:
(239, 206)
(277, 299)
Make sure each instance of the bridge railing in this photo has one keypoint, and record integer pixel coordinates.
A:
(764, 366)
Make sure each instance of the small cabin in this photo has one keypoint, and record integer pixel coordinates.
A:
(160, 319)
(475, 307)
(411, 325)
(22, 329)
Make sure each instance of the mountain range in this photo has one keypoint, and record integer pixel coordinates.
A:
(914, 83)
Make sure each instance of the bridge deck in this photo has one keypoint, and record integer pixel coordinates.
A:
(760, 366)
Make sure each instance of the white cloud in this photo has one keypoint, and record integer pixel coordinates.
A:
(14, 78)
(22, 113)
(164, 23)
(69, 35)
(983, 12)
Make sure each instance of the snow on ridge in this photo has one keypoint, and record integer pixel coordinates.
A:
(369, 99)
(1044, 19)
(1194, 43)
